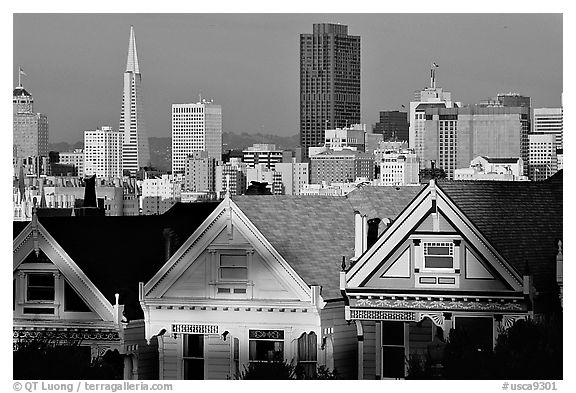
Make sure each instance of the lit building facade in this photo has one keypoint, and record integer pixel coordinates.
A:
(30, 137)
(329, 82)
(135, 148)
(103, 153)
(492, 168)
(195, 127)
(549, 121)
(231, 177)
(399, 169)
(295, 175)
(543, 161)
(159, 194)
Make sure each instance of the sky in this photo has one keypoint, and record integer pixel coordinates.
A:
(249, 63)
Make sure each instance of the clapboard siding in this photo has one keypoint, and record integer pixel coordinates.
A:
(217, 355)
(345, 342)
(148, 360)
(369, 328)
(170, 358)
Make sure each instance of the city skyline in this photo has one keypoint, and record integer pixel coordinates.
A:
(260, 93)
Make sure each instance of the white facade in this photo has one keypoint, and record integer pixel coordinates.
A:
(75, 158)
(549, 121)
(195, 127)
(103, 153)
(261, 173)
(159, 194)
(135, 149)
(399, 169)
(543, 161)
(486, 168)
(295, 175)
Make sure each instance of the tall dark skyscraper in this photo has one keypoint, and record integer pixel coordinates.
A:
(329, 82)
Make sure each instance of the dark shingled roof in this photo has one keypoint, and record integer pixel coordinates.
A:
(522, 220)
(116, 253)
(313, 233)
(504, 160)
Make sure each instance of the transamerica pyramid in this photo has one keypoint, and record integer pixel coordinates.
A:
(135, 149)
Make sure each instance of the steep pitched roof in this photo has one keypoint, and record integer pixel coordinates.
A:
(522, 220)
(116, 253)
(313, 233)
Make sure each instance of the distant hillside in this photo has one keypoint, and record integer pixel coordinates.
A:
(161, 147)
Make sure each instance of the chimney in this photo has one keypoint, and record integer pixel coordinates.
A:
(360, 234)
(169, 242)
(372, 235)
(90, 192)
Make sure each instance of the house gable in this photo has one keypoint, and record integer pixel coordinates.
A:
(442, 249)
(227, 258)
(53, 260)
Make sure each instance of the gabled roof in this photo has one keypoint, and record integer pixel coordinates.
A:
(116, 253)
(522, 220)
(313, 233)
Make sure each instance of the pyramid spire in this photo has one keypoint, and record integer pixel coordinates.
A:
(132, 62)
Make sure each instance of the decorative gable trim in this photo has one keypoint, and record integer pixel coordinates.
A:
(224, 217)
(433, 201)
(22, 246)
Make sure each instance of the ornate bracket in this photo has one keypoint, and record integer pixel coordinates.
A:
(436, 317)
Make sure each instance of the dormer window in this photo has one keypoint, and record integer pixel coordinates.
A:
(438, 255)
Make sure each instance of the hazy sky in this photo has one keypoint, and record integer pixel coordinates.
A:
(249, 63)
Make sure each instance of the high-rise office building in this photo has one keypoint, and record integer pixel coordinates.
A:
(549, 121)
(264, 153)
(195, 127)
(103, 153)
(429, 97)
(75, 158)
(30, 128)
(455, 136)
(135, 150)
(393, 125)
(329, 82)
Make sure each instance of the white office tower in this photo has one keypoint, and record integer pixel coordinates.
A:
(294, 174)
(195, 127)
(429, 97)
(103, 153)
(543, 160)
(549, 121)
(135, 150)
(399, 169)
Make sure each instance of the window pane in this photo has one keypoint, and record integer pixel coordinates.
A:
(266, 350)
(234, 273)
(193, 369)
(393, 362)
(438, 262)
(233, 260)
(40, 287)
(438, 250)
(392, 333)
(194, 345)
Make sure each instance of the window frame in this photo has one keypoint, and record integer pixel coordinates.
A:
(232, 253)
(187, 358)
(271, 340)
(439, 243)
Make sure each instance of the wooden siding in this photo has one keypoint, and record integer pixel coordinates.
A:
(369, 328)
(171, 359)
(345, 342)
(217, 357)
(420, 335)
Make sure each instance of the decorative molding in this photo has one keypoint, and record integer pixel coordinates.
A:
(182, 328)
(465, 304)
(436, 317)
(66, 334)
(509, 320)
(382, 315)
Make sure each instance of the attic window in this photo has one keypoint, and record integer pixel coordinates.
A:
(439, 255)
(40, 287)
(233, 267)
